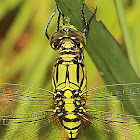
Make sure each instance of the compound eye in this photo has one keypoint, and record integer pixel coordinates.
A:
(57, 36)
(78, 37)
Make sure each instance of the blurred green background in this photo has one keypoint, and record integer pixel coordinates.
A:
(25, 54)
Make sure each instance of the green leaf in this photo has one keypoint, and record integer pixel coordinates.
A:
(126, 34)
(103, 49)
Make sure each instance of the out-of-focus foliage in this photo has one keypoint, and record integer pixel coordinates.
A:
(25, 54)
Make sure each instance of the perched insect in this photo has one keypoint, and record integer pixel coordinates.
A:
(70, 111)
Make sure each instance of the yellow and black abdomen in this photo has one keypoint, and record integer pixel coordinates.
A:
(69, 80)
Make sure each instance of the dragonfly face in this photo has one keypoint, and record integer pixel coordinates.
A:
(68, 40)
(70, 111)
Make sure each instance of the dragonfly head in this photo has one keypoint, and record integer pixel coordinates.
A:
(68, 38)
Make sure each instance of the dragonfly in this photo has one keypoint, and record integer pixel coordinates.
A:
(70, 111)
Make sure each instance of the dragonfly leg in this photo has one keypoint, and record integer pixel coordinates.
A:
(83, 14)
(86, 24)
(49, 21)
(59, 16)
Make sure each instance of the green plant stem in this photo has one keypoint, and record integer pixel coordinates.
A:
(126, 35)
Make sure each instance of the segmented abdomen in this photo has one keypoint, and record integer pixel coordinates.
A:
(69, 80)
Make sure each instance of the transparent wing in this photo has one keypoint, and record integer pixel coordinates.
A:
(26, 113)
(114, 112)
